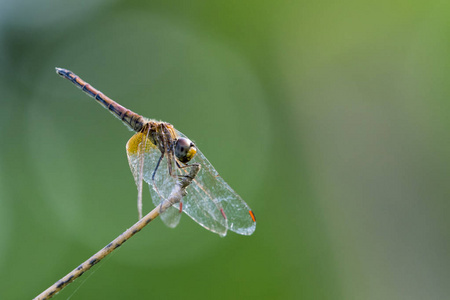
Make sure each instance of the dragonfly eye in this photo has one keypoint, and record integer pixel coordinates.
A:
(184, 150)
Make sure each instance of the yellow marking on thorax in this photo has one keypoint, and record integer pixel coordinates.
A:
(171, 130)
(135, 143)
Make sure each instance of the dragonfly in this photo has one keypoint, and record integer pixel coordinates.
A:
(158, 154)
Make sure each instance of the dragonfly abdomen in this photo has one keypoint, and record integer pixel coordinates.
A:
(131, 119)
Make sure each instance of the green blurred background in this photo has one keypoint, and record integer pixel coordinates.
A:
(329, 118)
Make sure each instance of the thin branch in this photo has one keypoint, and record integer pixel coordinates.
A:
(178, 192)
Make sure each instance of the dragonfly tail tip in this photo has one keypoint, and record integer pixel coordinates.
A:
(59, 71)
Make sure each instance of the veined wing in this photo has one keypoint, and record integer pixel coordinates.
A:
(204, 211)
(164, 184)
(210, 191)
(143, 156)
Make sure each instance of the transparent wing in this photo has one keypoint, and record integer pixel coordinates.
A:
(164, 184)
(143, 156)
(210, 201)
(210, 192)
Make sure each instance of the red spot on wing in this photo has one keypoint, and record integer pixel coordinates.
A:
(223, 213)
(181, 207)
(252, 215)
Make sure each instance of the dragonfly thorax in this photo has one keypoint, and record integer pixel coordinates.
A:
(184, 150)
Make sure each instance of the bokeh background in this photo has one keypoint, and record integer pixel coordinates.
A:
(329, 118)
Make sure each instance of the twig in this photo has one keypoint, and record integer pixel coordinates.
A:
(178, 192)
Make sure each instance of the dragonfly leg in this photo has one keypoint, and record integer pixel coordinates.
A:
(153, 179)
(184, 167)
(156, 168)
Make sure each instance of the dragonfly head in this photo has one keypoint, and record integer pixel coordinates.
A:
(184, 150)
